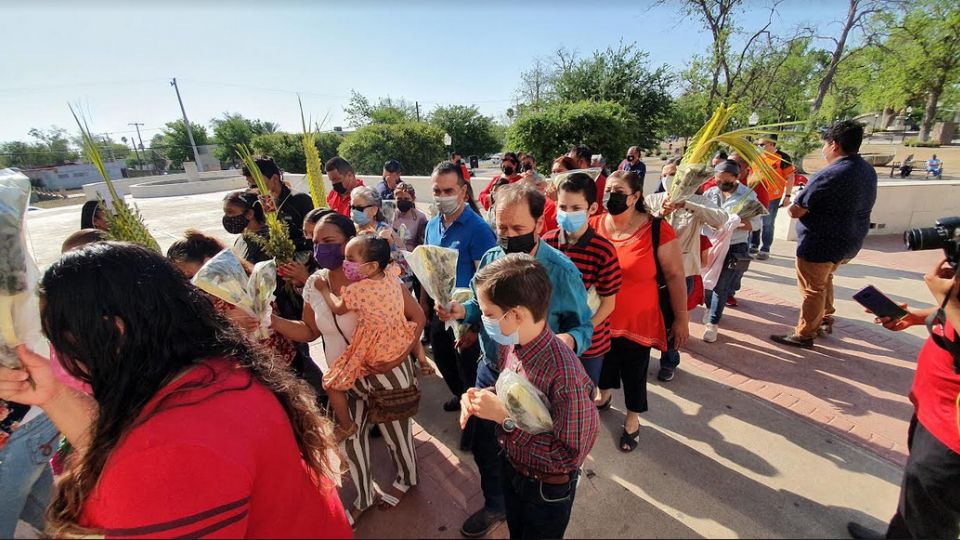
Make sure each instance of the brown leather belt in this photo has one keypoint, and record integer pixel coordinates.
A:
(552, 479)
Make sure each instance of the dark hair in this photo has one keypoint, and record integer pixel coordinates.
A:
(391, 165)
(406, 188)
(521, 191)
(374, 249)
(720, 155)
(338, 164)
(636, 184)
(516, 280)
(82, 238)
(88, 212)
(195, 247)
(449, 167)
(580, 183)
(511, 156)
(267, 167)
(126, 322)
(247, 200)
(847, 134)
(314, 215)
(530, 157)
(455, 153)
(583, 152)
(340, 221)
(566, 162)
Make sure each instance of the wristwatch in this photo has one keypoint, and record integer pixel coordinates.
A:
(509, 425)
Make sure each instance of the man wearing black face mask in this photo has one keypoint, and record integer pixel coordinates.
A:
(519, 225)
(391, 177)
(511, 171)
(457, 159)
(341, 175)
(930, 493)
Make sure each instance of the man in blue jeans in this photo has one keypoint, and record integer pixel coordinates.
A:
(727, 195)
(519, 226)
(28, 440)
(762, 238)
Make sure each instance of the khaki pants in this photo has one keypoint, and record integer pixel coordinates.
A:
(815, 281)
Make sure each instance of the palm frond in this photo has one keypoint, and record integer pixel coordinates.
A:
(278, 245)
(318, 192)
(123, 223)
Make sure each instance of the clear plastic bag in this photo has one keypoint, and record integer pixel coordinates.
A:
(19, 310)
(461, 295)
(436, 268)
(224, 277)
(525, 403)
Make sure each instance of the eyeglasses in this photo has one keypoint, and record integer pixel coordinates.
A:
(360, 208)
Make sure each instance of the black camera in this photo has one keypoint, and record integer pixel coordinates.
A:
(945, 234)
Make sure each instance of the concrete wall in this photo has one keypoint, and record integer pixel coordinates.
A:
(901, 205)
(74, 176)
(123, 186)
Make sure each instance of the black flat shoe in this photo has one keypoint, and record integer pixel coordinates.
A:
(451, 405)
(606, 404)
(857, 530)
(793, 340)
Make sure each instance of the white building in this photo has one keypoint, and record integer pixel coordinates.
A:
(74, 176)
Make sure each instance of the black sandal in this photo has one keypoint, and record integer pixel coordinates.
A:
(606, 404)
(630, 440)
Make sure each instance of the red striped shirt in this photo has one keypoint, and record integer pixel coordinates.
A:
(596, 258)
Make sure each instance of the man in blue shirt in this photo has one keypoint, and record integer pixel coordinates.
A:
(834, 213)
(519, 226)
(391, 177)
(633, 163)
(458, 227)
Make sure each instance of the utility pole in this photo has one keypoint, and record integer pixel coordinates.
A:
(418, 109)
(196, 154)
(139, 159)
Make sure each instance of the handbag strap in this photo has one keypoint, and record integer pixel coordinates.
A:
(335, 323)
(661, 281)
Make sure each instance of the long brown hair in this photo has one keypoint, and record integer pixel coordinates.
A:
(169, 328)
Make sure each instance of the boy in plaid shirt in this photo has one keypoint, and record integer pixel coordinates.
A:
(539, 472)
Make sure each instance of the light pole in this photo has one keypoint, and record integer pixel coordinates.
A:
(186, 123)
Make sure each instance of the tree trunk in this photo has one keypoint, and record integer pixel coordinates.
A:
(930, 111)
(835, 59)
(887, 117)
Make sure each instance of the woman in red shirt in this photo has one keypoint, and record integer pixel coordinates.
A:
(637, 325)
(191, 431)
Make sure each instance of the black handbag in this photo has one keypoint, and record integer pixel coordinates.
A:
(663, 293)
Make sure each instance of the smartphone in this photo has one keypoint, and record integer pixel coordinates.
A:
(878, 303)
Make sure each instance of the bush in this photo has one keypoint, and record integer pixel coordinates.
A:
(287, 149)
(418, 147)
(921, 144)
(604, 126)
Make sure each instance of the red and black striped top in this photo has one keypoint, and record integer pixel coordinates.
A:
(596, 258)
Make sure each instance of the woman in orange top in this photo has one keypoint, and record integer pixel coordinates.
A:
(637, 325)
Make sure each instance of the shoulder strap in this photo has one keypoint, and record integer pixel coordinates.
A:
(661, 281)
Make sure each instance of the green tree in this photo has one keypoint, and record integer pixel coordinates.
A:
(287, 148)
(360, 112)
(176, 143)
(233, 129)
(606, 126)
(418, 146)
(471, 132)
(619, 75)
(685, 117)
(49, 147)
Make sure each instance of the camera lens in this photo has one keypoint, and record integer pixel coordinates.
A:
(925, 238)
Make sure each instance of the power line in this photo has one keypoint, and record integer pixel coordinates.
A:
(75, 85)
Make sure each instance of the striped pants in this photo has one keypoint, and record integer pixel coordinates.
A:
(397, 435)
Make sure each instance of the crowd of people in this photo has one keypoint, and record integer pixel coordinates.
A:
(175, 422)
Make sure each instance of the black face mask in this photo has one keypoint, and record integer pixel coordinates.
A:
(404, 206)
(517, 244)
(235, 224)
(339, 188)
(727, 187)
(615, 203)
(508, 171)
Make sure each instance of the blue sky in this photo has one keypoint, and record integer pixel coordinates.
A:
(252, 57)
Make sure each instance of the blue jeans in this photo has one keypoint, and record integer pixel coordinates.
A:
(766, 229)
(537, 509)
(727, 282)
(671, 358)
(486, 449)
(593, 366)
(25, 476)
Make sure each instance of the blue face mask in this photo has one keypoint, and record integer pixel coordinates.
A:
(571, 221)
(492, 326)
(359, 217)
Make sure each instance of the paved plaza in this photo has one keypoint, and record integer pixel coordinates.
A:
(750, 440)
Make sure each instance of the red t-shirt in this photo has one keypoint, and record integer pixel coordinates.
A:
(596, 258)
(601, 185)
(550, 215)
(341, 203)
(935, 391)
(218, 460)
(637, 315)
